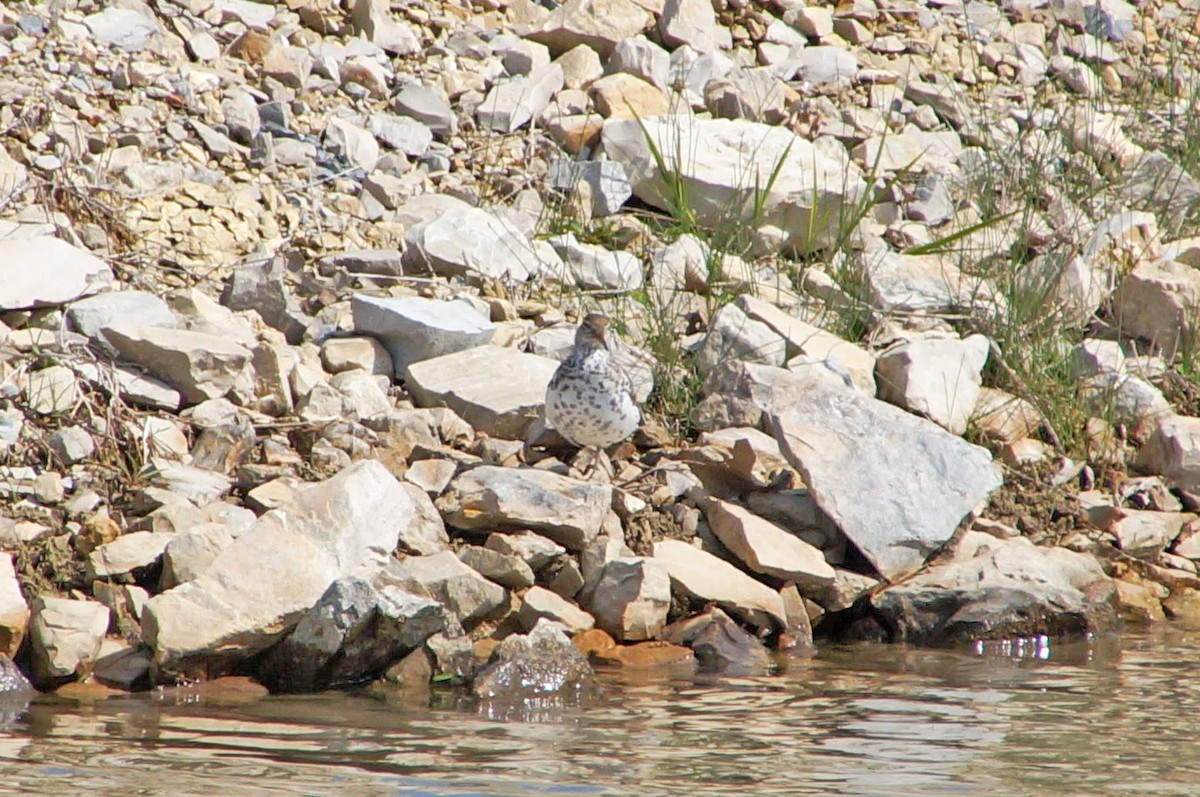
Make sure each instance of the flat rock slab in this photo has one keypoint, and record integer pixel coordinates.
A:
(726, 164)
(263, 583)
(127, 553)
(895, 484)
(88, 316)
(414, 329)
(465, 593)
(708, 578)
(199, 365)
(766, 548)
(1000, 588)
(568, 511)
(497, 390)
(36, 272)
(471, 243)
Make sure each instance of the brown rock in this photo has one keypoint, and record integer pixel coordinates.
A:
(623, 96)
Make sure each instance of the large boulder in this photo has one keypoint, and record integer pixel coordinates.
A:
(895, 484)
(263, 583)
(728, 168)
(1000, 588)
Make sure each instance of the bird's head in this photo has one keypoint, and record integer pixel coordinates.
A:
(593, 332)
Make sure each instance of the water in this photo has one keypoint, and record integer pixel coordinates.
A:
(1106, 718)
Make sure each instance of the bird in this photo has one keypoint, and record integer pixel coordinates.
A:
(590, 398)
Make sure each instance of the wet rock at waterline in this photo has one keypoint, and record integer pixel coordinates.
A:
(533, 666)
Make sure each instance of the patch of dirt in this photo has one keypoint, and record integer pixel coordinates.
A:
(1183, 393)
(48, 566)
(1032, 504)
(648, 527)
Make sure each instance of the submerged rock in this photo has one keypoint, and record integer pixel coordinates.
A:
(539, 664)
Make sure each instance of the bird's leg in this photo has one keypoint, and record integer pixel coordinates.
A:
(593, 465)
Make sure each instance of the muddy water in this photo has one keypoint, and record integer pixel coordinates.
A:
(1106, 718)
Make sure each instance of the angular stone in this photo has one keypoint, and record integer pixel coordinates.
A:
(201, 366)
(766, 548)
(123, 28)
(127, 553)
(466, 594)
(469, 242)
(1003, 417)
(90, 315)
(631, 598)
(734, 335)
(728, 164)
(415, 329)
(188, 554)
(65, 637)
(534, 549)
(261, 288)
(347, 525)
(353, 631)
(594, 267)
(622, 96)
(539, 602)
(899, 493)
(721, 645)
(72, 444)
(14, 612)
(1159, 301)
(510, 106)
(994, 589)
(568, 511)
(805, 339)
(428, 106)
(1173, 450)
(690, 22)
(704, 577)
(49, 391)
(373, 18)
(41, 271)
(600, 24)
(939, 378)
(505, 569)
(498, 391)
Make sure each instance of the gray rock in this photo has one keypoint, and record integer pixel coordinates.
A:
(127, 553)
(65, 637)
(363, 261)
(1094, 356)
(640, 57)
(512, 104)
(1157, 301)
(40, 271)
(505, 569)
(355, 630)
(606, 179)
(496, 390)
(702, 576)
(534, 549)
(12, 682)
(994, 589)
(189, 553)
(374, 19)
(427, 106)
(897, 494)
(122, 28)
(592, 266)
(401, 133)
(466, 594)
(725, 164)
(241, 116)
(426, 534)
(822, 65)
(568, 511)
(71, 444)
(631, 598)
(600, 24)
(90, 315)
(52, 390)
(721, 645)
(1173, 450)
(689, 22)
(470, 242)
(201, 366)
(534, 667)
(347, 525)
(415, 329)
(734, 335)
(354, 143)
(261, 288)
(938, 377)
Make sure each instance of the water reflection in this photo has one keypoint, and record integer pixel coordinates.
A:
(1095, 719)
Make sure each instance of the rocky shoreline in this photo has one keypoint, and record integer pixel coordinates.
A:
(282, 286)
